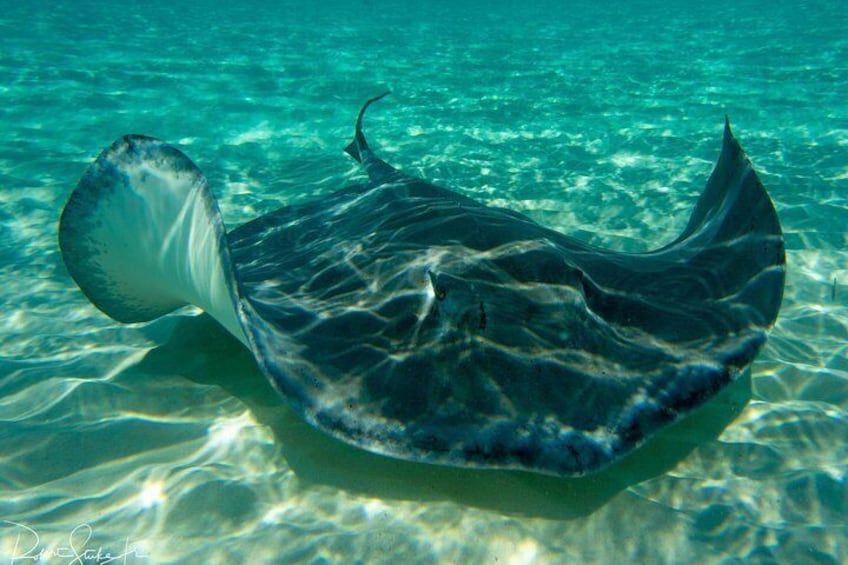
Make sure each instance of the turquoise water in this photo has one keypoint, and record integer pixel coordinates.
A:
(162, 443)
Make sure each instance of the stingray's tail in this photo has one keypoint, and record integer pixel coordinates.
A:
(378, 171)
(359, 144)
(142, 235)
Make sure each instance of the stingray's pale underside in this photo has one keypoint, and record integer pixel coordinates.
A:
(412, 321)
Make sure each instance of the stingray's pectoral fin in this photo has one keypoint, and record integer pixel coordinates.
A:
(378, 170)
(142, 235)
(734, 203)
(732, 247)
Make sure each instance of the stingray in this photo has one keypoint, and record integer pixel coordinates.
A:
(415, 322)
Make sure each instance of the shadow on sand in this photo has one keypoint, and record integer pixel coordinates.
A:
(202, 351)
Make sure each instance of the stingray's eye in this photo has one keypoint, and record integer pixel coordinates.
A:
(439, 290)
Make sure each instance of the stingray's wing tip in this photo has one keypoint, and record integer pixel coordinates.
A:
(728, 133)
(141, 235)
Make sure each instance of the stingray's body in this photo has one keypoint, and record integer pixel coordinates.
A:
(415, 322)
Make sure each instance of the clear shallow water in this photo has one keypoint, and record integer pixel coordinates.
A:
(603, 122)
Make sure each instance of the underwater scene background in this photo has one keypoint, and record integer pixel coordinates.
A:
(162, 443)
